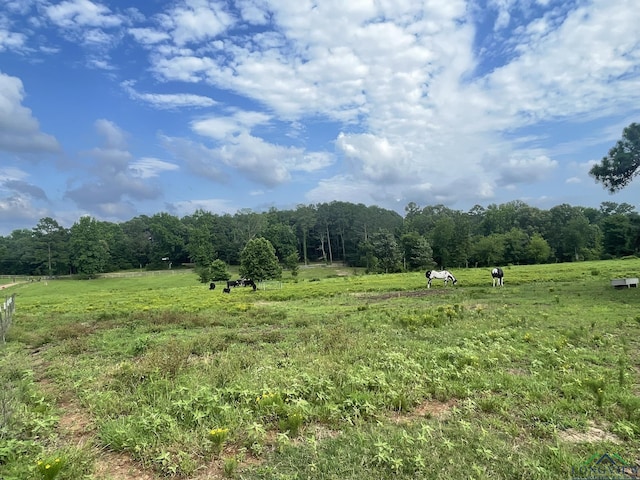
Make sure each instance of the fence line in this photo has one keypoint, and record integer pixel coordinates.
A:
(6, 315)
(150, 273)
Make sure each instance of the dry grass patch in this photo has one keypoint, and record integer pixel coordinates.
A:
(427, 409)
(593, 434)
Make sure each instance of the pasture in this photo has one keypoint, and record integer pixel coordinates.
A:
(335, 375)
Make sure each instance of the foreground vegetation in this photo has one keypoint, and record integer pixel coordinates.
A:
(332, 375)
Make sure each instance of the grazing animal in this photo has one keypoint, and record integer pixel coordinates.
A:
(442, 275)
(243, 282)
(212, 286)
(498, 277)
(247, 282)
(226, 290)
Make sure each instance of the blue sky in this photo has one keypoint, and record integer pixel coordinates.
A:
(115, 109)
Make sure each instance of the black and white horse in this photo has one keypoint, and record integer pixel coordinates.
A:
(498, 276)
(442, 275)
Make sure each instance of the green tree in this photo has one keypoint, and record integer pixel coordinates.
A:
(417, 251)
(50, 240)
(283, 240)
(88, 248)
(442, 240)
(213, 272)
(616, 238)
(305, 219)
(258, 260)
(538, 250)
(119, 257)
(138, 240)
(19, 258)
(291, 262)
(515, 246)
(199, 245)
(488, 251)
(616, 170)
(386, 250)
(167, 237)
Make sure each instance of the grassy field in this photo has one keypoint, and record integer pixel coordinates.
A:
(335, 375)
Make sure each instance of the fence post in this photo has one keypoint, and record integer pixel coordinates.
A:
(6, 315)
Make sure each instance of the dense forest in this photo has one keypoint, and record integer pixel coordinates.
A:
(361, 236)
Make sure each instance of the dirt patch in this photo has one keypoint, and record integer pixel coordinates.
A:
(114, 466)
(427, 409)
(592, 435)
(75, 427)
(402, 294)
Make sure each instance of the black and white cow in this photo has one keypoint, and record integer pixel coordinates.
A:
(498, 277)
(242, 282)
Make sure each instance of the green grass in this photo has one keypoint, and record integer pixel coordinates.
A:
(331, 375)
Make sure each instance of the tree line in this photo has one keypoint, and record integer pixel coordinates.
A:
(377, 239)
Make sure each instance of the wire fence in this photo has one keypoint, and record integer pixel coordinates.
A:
(6, 315)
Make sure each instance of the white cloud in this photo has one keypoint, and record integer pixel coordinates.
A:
(255, 158)
(11, 40)
(197, 20)
(217, 206)
(116, 179)
(19, 130)
(19, 198)
(114, 136)
(199, 159)
(168, 100)
(526, 169)
(417, 109)
(151, 167)
(82, 13)
(149, 36)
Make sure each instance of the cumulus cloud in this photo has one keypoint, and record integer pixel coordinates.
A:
(117, 179)
(197, 20)
(11, 40)
(20, 200)
(82, 13)
(518, 170)
(199, 159)
(19, 130)
(422, 100)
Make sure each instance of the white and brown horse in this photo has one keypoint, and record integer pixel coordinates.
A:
(441, 275)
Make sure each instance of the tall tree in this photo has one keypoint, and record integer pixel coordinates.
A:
(283, 240)
(258, 260)
(616, 238)
(50, 241)
(168, 235)
(387, 251)
(489, 250)
(250, 224)
(617, 169)
(305, 219)
(138, 239)
(200, 239)
(417, 251)
(538, 250)
(88, 248)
